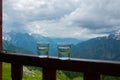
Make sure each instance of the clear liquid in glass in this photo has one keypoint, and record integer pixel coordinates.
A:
(64, 51)
(43, 50)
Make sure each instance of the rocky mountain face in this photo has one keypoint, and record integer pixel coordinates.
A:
(107, 48)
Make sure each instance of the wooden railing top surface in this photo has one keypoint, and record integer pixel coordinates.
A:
(77, 65)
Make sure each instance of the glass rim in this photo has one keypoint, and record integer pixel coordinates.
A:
(42, 43)
(64, 45)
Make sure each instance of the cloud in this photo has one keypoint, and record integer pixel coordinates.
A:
(59, 29)
(96, 15)
(40, 9)
(81, 19)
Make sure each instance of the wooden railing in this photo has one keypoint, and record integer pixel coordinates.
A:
(92, 69)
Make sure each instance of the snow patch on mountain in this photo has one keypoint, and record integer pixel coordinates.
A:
(117, 35)
(6, 37)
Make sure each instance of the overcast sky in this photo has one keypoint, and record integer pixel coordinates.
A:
(81, 19)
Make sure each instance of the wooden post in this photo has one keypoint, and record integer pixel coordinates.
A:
(0, 37)
(49, 74)
(88, 76)
(16, 71)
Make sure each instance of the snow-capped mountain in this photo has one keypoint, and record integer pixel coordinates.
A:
(107, 47)
(116, 35)
(5, 36)
(21, 40)
(29, 41)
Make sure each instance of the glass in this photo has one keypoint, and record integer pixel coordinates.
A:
(42, 49)
(64, 51)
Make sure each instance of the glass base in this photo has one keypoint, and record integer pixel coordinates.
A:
(43, 56)
(63, 58)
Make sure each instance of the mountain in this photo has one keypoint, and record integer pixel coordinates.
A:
(66, 40)
(52, 45)
(8, 46)
(21, 40)
(40, 38)
(28, 42)
(107, 48)
(115, 36)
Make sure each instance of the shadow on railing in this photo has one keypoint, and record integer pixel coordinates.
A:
(92, 69)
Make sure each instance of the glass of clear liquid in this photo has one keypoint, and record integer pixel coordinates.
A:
(43, 49)
(64, 51)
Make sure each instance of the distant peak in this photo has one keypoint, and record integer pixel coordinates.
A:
(30, 34)
(117, 35)
(118, 32)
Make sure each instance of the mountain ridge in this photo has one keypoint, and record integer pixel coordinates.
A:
(29, 41)
(107, 48)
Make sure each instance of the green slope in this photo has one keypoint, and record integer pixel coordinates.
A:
(27, 74)
(6, 71)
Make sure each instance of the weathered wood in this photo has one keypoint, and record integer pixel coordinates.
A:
(49, 73)
(16, 71)
(88, 76)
